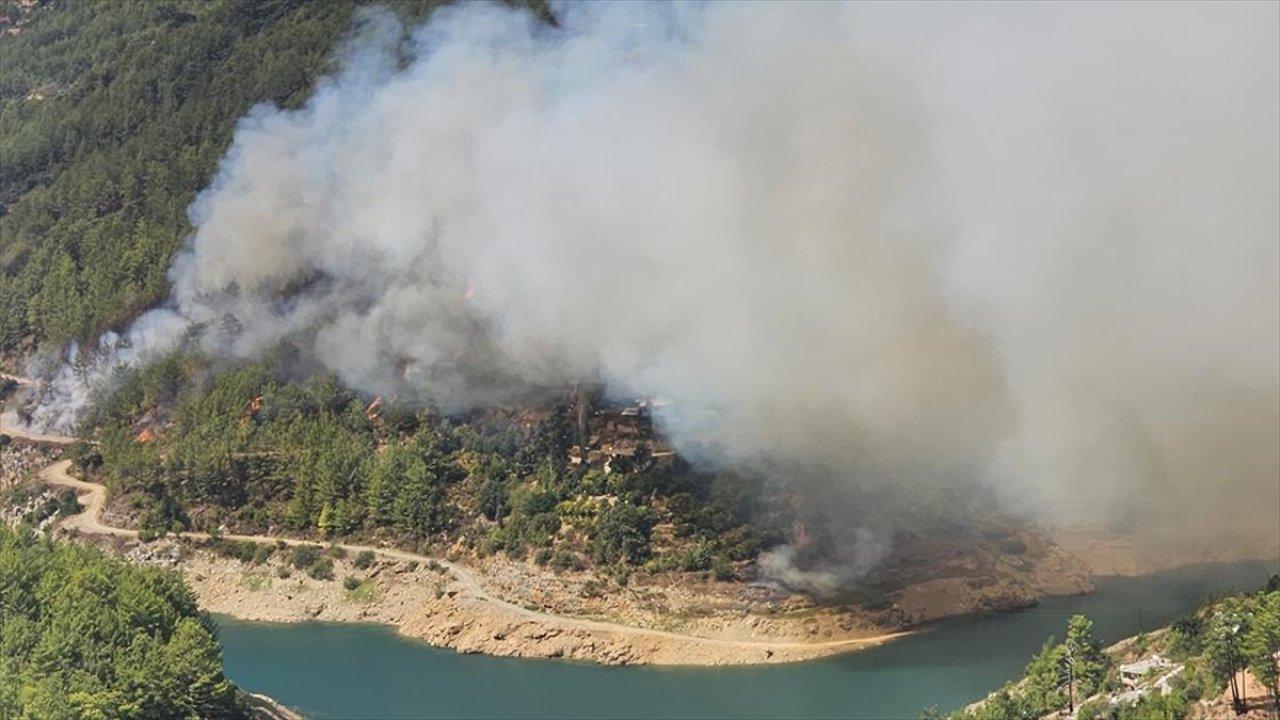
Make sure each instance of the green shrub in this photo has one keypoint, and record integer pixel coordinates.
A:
(364, 559)
(242, 550)
(304, 556)
(543, 556)
(68, 504)
(337, 552)
(362, 592)
(255, 581)
(1154, 705)
(722, 568)
(351, 582)
(492, 500)
(566, 560)
(526, 501)
(1093, 710)
(622, 534)
(262, 553)
(1186, 637)
(516, 550)
(321, 569)
(495, 541)
(1194, 682)
(695, 558)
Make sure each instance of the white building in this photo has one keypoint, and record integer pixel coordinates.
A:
(1131, 674)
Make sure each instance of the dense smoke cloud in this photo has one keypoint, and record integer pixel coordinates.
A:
(1030, 246)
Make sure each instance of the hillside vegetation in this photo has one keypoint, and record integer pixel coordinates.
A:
(112, 116)
(1212, 655)
(83, 635)
(182, 448)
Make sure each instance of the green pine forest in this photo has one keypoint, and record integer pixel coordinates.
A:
(245, 449)
(83, 635)
(112, 117)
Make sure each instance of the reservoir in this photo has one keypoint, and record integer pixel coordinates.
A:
(365, 671)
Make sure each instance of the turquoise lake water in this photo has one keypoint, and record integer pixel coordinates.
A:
(364, 671)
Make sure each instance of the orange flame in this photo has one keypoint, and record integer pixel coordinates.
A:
(374, 410)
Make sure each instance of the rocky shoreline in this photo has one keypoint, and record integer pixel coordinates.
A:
(265, 707)
(660, 623)
(428, 603)
(504, 607)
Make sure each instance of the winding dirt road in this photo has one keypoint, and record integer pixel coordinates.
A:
(12, 429)
(93, 497)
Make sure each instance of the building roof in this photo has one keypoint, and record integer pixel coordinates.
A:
(1142, 666)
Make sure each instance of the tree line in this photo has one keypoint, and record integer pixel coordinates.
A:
(246, 448)
(83, 635)
(113, 115)
(1216, 645)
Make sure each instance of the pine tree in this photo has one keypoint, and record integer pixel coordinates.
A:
(1089, 663)
(1227, 628)
(325, 523)
(1262, 643)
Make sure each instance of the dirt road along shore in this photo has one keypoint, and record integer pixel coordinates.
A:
(474, 619)
(481, 613)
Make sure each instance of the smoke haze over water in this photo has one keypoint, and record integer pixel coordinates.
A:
(1034, 247)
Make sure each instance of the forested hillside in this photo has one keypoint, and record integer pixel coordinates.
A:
(244, 448)
(112, 116)
(1200, 667)
(87, 636)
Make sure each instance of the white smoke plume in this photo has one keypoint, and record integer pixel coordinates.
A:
(1032, 246)
(69, 382)
(862, 550)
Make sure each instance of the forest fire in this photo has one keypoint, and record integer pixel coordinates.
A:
(374, 410)
(806, 328)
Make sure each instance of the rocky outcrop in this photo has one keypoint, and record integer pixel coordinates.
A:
(265, 707)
